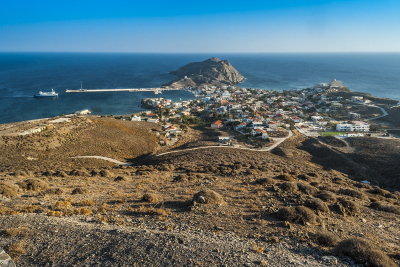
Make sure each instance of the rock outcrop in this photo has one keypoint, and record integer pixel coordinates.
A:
(213, 71)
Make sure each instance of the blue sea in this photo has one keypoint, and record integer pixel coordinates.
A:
(24, 74)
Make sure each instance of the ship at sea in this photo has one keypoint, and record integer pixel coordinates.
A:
(46, 94)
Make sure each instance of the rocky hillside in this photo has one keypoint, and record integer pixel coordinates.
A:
(208, 72)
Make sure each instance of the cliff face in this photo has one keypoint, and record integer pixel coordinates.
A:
(208, 72)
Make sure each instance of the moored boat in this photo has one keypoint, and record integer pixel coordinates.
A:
(46, 94)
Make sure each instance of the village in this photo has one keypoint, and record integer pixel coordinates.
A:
(265, 114)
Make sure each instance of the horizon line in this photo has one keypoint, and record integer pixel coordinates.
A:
(132, 52)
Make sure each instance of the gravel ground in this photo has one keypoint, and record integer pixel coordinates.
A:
(76, 241)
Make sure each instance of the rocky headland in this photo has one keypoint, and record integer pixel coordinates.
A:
(213, 71)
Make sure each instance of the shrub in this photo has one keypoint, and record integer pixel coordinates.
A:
(55, 191)
(364, 252)
(208, 196)
(387, 208)
(326, 196)
(316, 204)
(15, 250)
(306, 188)
(86, 202)
(33, 184)
(289, 187)
(353, 193)
(16, 231)
(285, 177)
(181, 178)
(327, 239)
(379, 191)
(347, 207)
(8, 190)
(121, 179)
(306, 178)
(150, 197)
(265, 181)
(105, 173)
(299, 214)
(80, 190)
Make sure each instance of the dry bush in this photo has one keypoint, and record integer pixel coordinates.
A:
(347, 207)
(306, 178)
(284, 177)
(79, 173)
(265, 181)
(62, 205)
(208, 196)
(80, 190)
(353, 193)
(316, 204)
(326, 196)
(86, 202)
(364, 252)
(327, 187)
(55, 213)
(306, 188)
(299, 214)
(181, 178)
(16, 231)
(121, 179)
(82, 211)
(15, 250)
(339, 181)
(105, 173)
(19, 173)
(387, 208)
(60, 174)
(55, 191)
(289, 187)
(8, 190)
(327, 239)
(33, 184)
(379, 191)
(150, 197)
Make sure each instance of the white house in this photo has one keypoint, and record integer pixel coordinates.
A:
(136, 118)
(356, 126)
(152, 120)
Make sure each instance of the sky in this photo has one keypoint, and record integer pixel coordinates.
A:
(175, 26)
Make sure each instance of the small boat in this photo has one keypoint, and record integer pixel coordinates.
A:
(46, 94)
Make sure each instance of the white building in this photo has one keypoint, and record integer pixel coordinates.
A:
(136, 118)
(356, 126)
(335, 83)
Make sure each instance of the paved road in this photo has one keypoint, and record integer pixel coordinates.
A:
(103, 158)
(235, 147)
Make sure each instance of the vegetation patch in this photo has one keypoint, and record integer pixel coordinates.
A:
(299, 214)
(208, 196)
(8, 190)
(33, 185)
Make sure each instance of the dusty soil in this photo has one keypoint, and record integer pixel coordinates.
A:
(91, 212)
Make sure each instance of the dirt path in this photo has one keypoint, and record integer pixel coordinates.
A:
(103, 158)
(235, 147)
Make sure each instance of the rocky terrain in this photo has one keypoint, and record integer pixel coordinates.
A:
(213, 71)
(298, 206)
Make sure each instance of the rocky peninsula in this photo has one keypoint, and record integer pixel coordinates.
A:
(213, 71)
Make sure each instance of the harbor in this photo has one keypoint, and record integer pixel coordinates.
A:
(155, 90)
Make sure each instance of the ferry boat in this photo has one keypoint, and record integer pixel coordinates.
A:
(46, 94)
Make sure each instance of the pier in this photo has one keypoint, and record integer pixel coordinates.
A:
(155, 90)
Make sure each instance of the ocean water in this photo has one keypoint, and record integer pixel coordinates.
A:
(24, 74)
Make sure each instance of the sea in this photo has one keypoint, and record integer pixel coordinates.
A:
(24, 74)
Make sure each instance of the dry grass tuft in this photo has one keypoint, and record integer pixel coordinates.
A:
(121, 179)
(308, 189)
(208, 196)
(62, 205)
(15, 250)
(82, 211)
(347, 207)
(316, 204)
(80, 190)
(33, 184)
(105, 173)
(327, 239)
(379, 191)
(326, 196)
(289, 187)
(285, 177)
(55, 191)
(364, 252)
(298, 214)
(385, 207)
(8, 190)
(265, 181)
(150, 197)
(353, 193)
(16, 231)
(86, 202)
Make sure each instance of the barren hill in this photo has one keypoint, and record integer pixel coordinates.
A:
(209, 72)
(204, 207)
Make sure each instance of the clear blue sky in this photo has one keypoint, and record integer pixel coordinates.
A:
(200, 26)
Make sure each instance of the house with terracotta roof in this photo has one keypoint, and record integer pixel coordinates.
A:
(217, 124)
